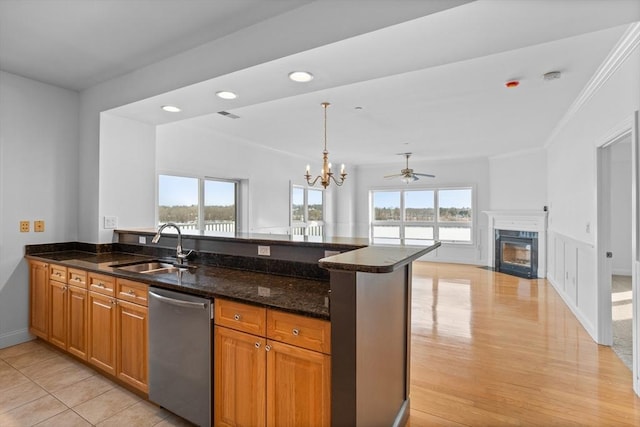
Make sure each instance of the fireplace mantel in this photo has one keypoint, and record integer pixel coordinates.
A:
(523, 220)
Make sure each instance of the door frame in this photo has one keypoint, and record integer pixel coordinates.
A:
(603, 237)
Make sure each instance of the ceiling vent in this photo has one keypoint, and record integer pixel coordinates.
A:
(228, 114)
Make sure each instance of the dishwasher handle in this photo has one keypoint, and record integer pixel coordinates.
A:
(179, 303)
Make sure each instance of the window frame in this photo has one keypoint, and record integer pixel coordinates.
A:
(402, 223)
(305, 224)
(201, 226)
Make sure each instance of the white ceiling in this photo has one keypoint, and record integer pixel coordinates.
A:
(433, 85)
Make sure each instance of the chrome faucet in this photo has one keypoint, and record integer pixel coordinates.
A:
(180, 256)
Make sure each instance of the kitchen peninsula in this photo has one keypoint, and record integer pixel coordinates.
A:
(364, 291)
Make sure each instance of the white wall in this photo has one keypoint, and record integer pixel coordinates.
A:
(127, 184)
(38, 181)
(621, 208)
(571, 184)
(183, 149)
(256, 44)
(518, 181)
(449, 173)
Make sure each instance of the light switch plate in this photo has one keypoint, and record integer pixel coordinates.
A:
(110, 222)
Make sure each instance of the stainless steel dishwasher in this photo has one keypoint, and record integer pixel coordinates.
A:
(180, 354)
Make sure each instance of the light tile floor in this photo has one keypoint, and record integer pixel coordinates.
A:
(40, 386)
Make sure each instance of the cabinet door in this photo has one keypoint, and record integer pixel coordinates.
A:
(77, 307)
(39, 299)
(131, 345)
(239, 373)
(298, 386)
(102, 332)
(58, 311)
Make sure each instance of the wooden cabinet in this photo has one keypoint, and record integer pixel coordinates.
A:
(102, 332)
(298, 386)
(39, 299)
(132, 334)
(261, 378)
(240, 375)
(118, 330)
(77, 321)
(58, 313)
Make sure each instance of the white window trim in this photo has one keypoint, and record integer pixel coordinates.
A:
(306, 223)
(436, 223)
(201, 181)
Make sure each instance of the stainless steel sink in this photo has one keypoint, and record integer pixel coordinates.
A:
(152, 267)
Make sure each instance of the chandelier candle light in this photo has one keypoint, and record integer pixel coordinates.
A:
(326, 176)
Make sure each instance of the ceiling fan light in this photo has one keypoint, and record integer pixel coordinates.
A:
(409, 179)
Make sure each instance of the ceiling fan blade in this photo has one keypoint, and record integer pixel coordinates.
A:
(393, 176)
(425, 174)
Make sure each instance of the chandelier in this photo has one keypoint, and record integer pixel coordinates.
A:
(326, 176)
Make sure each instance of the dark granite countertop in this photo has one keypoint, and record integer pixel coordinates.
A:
(338, 243)
(302, 296)
(376, 259)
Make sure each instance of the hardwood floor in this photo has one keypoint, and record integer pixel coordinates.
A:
(489, 349)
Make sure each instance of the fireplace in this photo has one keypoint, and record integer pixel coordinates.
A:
(519, 228)
(517, 252)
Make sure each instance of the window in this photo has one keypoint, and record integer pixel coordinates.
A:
(198, 203)
(307, 211)
(415, 217)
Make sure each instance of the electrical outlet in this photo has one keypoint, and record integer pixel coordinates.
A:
(25, 226)
(264, 250)
(110, 222)
(38, 226)
(142, 240)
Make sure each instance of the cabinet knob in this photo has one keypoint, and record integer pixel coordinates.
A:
(236, 317)
(295, 332)
(132, 292)
(257, 345)
(100, 285)
(267, 347)
(113, 302)
(64, 288)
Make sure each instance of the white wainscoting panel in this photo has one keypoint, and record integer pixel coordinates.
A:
(572, 274)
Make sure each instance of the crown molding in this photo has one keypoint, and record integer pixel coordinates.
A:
(618, 55)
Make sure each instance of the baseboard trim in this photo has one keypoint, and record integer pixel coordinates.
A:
(15, 337)
(622, 272)
(575, 310)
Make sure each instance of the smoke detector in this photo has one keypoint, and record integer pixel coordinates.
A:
(552, 75)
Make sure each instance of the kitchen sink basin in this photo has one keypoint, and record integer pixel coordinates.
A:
(152, 267)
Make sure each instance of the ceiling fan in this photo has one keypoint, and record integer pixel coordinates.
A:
(408, 175)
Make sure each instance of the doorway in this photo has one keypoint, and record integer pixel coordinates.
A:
(611, 203)
(620, 177)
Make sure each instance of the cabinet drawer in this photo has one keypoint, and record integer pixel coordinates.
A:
(301, 331)
(77, 278)
(102, 284)
(58, 273)
(135, 292)
(239, 316)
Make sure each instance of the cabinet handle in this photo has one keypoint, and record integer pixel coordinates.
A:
(257, 345)
(267, 347)
(64, 288)
(132, 292)
(295, 332)
(236, 317)
(100, 285)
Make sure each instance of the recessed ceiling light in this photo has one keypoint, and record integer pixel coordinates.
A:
(225, 94)
(171, 108)
(300, 76)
